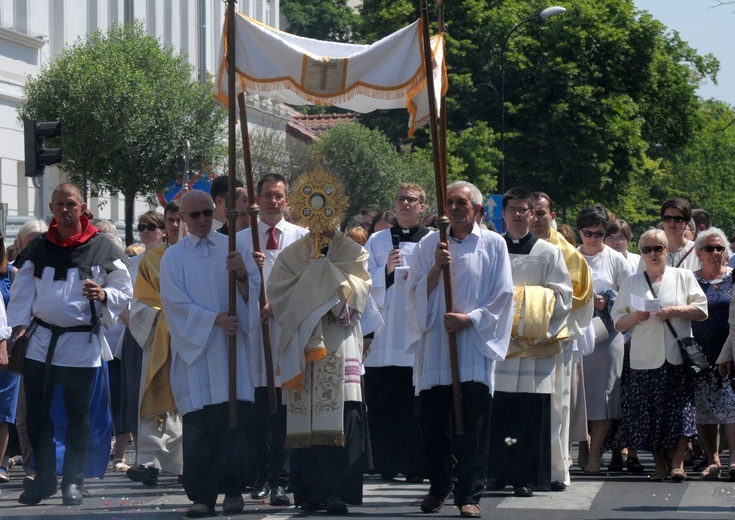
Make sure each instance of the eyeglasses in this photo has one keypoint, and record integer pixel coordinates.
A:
(709, 249)
(150, 227)
(400, 199)
(595, 234)
(671, 218)
(196, 214)
(652, 249)
(619, 240)
(278, 197)
(364, 225)
(519, 211)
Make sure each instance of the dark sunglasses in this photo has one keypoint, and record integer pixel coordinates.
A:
(709, 249)
(196, 214)
(149, 227)
(596, 234)
(652, 249)
(671, 218)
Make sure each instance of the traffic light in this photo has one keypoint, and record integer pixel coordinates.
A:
(38, 157)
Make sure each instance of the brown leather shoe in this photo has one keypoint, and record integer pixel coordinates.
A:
(432, 504)
(470, 511)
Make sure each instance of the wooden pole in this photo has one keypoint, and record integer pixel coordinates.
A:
(438, 144)
(254, 211)
(231, 212)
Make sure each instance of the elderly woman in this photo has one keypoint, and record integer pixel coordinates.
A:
(602, 368)
(658, 413)
(618, 236)
(714, 400)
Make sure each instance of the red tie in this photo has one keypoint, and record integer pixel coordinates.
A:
(272, 240)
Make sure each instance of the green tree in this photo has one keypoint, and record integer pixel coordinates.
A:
(127, 105)
(587, 94)
(368, 164)
(331, 20)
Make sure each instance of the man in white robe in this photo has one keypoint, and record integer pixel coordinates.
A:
(482, 290)
(159, 428)
(70, 281)
(194, 294)
(395, 437)
(577, 324)
(520, 432)
(268, 430)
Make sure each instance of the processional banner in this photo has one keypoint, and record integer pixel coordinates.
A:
(301, 71)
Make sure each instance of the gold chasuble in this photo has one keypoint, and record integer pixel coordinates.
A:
(157, 397)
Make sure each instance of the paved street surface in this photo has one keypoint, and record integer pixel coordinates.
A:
(605, 497)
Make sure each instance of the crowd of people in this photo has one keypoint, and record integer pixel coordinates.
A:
(464, 356)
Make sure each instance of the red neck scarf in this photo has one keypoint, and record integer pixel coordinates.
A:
(88, 231)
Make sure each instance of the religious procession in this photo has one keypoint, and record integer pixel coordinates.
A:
(265, 344)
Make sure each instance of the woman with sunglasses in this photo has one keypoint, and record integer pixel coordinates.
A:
(658, 411)
(714, 399)
(602, 368)
(675, 215)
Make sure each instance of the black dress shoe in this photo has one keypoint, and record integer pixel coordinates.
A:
(336, 506)
(522, 492)
(279, 496)
(146, 475)
(493, 484)
(260, 492)
(39, 490)
(72, 495)
(558, 486)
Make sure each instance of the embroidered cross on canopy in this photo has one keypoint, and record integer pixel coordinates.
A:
(301, 71)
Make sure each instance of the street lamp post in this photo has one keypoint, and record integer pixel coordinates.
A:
(543, 15)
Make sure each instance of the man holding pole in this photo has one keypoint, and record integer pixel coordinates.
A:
(482, 320)
(268, 430)
(194, 296)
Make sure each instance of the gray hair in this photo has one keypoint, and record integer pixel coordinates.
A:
(30, 227)
(109, 228)
(475, 195)
(702, 237)
(651, 235)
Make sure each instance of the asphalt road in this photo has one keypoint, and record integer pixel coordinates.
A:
(605, 497)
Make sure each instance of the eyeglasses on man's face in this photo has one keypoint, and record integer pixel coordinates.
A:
(400, 199)
(613, 239)
(646, 250)
(672, 218)
(517, 211)
(196, 214)
(150, 227)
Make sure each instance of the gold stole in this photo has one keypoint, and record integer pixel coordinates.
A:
(579, 271)
(157, 396)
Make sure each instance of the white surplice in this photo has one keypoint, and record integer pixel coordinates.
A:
(482, 287)
(544, 266)
(194, 289)
(389, 343)
(286, 235)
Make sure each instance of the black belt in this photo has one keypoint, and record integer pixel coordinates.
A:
(57, 331)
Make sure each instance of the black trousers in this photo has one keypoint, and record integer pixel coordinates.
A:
(77, 387)
(441, 446)
(268, 437)
(215, 454)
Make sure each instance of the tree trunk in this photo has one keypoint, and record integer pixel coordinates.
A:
(129, 215)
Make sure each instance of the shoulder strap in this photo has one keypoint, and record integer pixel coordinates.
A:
(671, 328)
(684, 257)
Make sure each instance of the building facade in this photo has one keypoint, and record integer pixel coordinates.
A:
(33, 32)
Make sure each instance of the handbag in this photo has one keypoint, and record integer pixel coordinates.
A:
(17, 349)
(692, 356)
